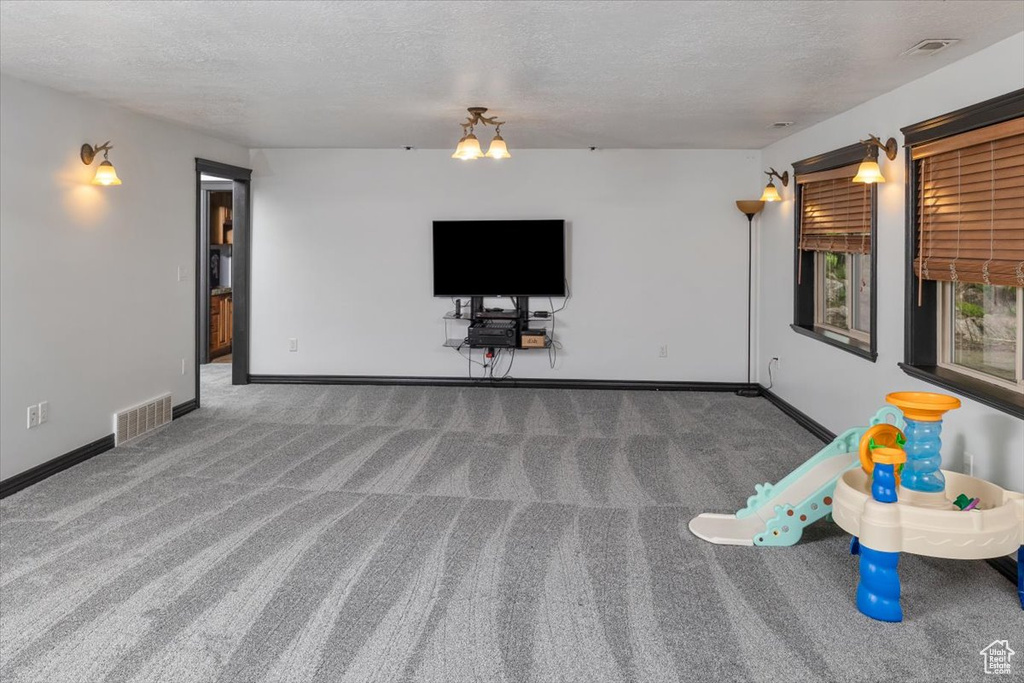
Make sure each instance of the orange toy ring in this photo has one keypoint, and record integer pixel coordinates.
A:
(883, 435)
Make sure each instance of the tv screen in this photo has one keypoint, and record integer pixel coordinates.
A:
(499, 258)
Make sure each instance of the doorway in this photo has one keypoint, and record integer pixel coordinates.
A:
(223, 202)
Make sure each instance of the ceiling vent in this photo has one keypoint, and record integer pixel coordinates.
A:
(132, 423)
(781, 124)
(930, 46)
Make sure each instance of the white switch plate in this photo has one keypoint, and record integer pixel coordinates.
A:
(663, 351)
(182, 273)
(44, 411)
(183, 366)
(969, 464)
(293, 344)
(33, 416)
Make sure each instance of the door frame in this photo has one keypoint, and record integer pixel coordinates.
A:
(241, 255)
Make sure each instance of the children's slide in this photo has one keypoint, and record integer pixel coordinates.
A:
(777, 513)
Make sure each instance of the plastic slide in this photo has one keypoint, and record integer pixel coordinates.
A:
(778, 513)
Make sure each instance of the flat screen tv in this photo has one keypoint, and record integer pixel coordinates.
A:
(499, 258)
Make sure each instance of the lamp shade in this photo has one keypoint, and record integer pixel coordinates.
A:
(106, 175)
(750, 207)
(771, 194)
(468, 148)
(869, 172)
(498, 149)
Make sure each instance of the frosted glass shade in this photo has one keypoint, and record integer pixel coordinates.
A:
(770, 194)
(498, 149)
(869, 172)
(106, 175)
(468, 148)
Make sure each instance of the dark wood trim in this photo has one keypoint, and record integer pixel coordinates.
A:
(528, 383)
(183, 409)
(987, 113)
(852, 346)
(223, 170)
(241, 255)
(801, 418)
(58, 464)
(837, 158)
(920, 323)
(994, 397)
(1005, 566)
(803, 261)
(241, 280)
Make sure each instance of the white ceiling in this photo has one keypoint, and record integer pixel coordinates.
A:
(563, 74)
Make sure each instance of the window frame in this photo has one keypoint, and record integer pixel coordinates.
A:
(922, 331)
(804, 290)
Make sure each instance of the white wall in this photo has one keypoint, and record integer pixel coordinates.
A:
(837, 388)
(657, 255)
(94, 318)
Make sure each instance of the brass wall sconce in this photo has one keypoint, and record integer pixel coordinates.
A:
(106, 174)
(868, 171)
(771, 193)
(469, 147)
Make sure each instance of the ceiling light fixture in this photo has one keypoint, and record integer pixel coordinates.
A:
(868, 172)
(106, 174)
(771, 193)
(469, 147)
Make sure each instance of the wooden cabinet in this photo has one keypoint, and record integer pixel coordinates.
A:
(221, 315)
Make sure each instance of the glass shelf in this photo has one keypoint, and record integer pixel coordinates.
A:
(464, 344)
(450, 315)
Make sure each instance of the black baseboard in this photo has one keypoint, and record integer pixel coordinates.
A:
(523, 383)
(800, 417)
(1004, 565)
(52, 467)
(183, 409)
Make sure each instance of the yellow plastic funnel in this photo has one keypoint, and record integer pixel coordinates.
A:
(923, 406)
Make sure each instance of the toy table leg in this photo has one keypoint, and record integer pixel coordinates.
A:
(878, 593)
(1020, 575)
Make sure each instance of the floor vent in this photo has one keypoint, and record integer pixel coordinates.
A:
(142, 419)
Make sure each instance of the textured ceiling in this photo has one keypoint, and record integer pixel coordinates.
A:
(564, 74)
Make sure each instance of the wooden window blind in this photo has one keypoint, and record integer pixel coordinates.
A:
(970, 206)
(835, 212)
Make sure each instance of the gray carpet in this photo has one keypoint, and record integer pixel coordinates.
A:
(288, 533)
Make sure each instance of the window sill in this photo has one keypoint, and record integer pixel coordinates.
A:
(981, 391)
(848, 344)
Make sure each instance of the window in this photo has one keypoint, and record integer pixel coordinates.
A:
(965, 260)
(834, 299)
(981, 330)
(843, 294)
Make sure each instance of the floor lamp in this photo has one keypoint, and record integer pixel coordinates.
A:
(749, 207)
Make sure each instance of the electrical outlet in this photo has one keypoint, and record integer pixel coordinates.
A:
(778, 363)
(33, 416)
(44, 411)
(182, 273)
(969, 464)
(663, 351)
(293, 344)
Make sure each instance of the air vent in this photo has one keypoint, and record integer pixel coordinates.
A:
(142, 419)
(781, 124)
(930, 46)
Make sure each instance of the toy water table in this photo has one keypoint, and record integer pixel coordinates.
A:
(917, 509)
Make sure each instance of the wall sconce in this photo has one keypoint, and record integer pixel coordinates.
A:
(771, 193)
(869, 172)
(106, 174)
